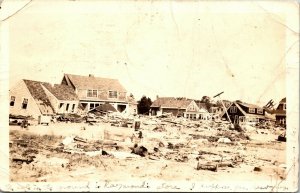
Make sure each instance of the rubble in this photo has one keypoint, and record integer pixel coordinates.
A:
(208, 145)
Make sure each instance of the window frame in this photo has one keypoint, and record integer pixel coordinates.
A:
(233, 109)
(112, 91)
(260, 111)
(23, 103)
(12, 102)
(73, 107)
(251, 110)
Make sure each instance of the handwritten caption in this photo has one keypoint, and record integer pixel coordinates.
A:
(142, 186)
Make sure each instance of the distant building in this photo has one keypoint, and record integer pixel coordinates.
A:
(34, 98)
(94, 91)
(280, 112)
(241, 112)
(179, 107)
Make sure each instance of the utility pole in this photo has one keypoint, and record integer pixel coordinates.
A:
(218, 95)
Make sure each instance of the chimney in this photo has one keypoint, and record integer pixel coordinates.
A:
(91, 75)
(157, 96)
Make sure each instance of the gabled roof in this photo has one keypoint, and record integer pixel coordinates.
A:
(248, 105)
(171, 102)
(37, 92)
(62, 92)
(283, 100)
(91, 82)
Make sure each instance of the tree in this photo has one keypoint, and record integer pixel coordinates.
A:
(207, 101)
(144, 105)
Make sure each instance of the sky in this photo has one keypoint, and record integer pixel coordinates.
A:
(165, 48)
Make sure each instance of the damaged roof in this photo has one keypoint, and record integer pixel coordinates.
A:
(104, 108)
(92, 82)
(62, 92)
(171, 102)
(37, 92)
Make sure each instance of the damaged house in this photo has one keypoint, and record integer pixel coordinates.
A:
(94, 91)
(28, 98)
(179, 107)
(34, 98)
(241, 112)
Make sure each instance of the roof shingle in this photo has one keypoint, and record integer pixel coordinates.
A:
(91, 82)
(37, 92)
(62, 92)
(171, 102)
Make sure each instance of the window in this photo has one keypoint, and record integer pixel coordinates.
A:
(24, 103)
(260, 111)
(192, 108)
(251, 110)
(67, 107)
(95, 93)
(12, 100)
(92, 93)
(113, 94)
(233, 109)
(284, 106)
(92, 105)
(73, 107)
(61, 105)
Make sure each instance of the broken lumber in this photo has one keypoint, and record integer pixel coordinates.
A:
(211, 167)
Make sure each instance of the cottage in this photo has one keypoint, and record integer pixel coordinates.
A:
(34, 98)
(280, 113)
(28, 98)
(241, 112)
(179, 107)
(93, 91)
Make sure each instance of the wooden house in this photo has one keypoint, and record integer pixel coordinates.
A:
(93, 91)
(241, 112)
(280, 113)
(179, 107)
(28, 98)
(35, 98)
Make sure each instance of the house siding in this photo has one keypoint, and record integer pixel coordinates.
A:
(233, 114)
(175, 112)
(20, 91)
(102, 95)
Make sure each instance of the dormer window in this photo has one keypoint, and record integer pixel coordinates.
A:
(251, 110)
(284, 106)
(260, 111)
(112, 94)
(92, 93)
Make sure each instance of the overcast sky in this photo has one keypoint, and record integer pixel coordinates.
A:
(187, 49)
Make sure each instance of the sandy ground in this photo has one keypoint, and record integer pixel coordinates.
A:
(50, 164)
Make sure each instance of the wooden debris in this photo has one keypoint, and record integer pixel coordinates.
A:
(211, 167)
